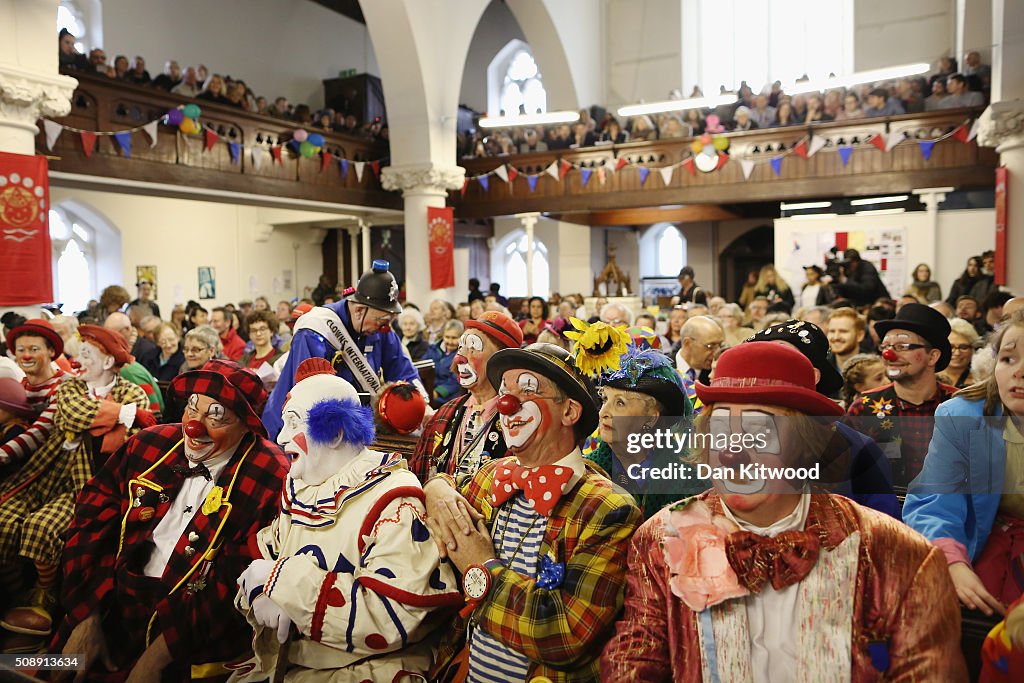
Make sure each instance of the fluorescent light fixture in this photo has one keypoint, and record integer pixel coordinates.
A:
(879, 212)
(676, 105)
(543, 118)
(872, 76)
(813, 216)
(805, 205)
(879, 200)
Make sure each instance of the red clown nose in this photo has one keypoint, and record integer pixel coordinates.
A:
(195, 429)
(889, 355)
(509, 404)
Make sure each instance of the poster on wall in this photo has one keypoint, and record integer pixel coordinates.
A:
(885, 248)
(207, 282)
(25, 252)
(146, 274)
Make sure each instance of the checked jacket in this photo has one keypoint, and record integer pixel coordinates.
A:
(561, 629)
(109, 544)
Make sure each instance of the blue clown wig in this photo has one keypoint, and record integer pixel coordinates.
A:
(332, 416)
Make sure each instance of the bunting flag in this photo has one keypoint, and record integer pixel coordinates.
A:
(375, 167)
(585, 174)
(622, 161)
(532, 180)
(748, 167)
(512, 174)
(150, 129)
(817, 142)
(644, 172)
(893, 140)
(776, 163)
(800, 149)
(359, 165)
(879, 141)
(235, 149)
(53, 131)
(25, 258)
(689, 166)
(275, 152)
(257, 157)
(502, 172)
(484, 182)
(723, 159)
(666, 174)
(211, 138)
(325, 160)
(974, 130)
(845, 152)
(563, 168)
(88, 143)
(926, 148)
(343, 163)
(553, 170)
(124, 138)
(601, 175)
(961, 133)
(465, 184)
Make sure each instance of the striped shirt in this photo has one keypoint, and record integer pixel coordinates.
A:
(40, 397)
(490, 661)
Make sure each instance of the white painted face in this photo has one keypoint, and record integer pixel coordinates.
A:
(520, 426)
(313, 463)
(97, 366)
(469, 362)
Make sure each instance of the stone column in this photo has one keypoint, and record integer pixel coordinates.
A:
(931, 197)
(422, 186)
(364, 229)
(1002, 127)
(529, 221)
(353, 252)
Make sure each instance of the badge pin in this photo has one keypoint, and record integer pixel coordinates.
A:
(493, 436)
(163, 498)
(368, 349)
(146, 514)
(189, 551)
(136, 503)
(141, 491)
(193, 537)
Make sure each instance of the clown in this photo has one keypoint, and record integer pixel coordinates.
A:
(162, 532)
(759, 580)
(95, 413)
(464, 433)
(539, 537)
(366, 603)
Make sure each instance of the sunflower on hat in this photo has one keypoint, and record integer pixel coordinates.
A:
(599, 346)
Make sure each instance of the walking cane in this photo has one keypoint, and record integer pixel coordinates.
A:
(282, 656)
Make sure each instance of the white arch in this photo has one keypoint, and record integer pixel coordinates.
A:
(500, 266)
(655, 263)
(109, 266)
(496, 71)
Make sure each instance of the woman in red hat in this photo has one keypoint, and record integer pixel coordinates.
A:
(762, 580)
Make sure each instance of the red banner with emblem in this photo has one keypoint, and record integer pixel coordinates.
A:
(25, 258)
(441, 231)
(1001, 179)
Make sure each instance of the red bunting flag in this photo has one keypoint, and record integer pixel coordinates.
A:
(25, 252)
(962, 133)
(88, 143)
(275, 152)
(879, 141)
(689, 166)
(723, 159)
(800, 149)
(211, 139)
(512, 173)
(325, 160)
(375, 167)
(441, 240)
(622, 161)
(465, 184)
(563, 168)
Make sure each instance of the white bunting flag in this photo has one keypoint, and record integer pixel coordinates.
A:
(666, 173)
(359, 170)
(502, 172)
(893, 140)
(150, 129)
(53, 131)
(552, 170)
(257, 157)
(817, 142)
(609, 165)
(748, 167)
(974, 130)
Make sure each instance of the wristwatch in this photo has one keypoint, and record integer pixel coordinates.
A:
(476, 582)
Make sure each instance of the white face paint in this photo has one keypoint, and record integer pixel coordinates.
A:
(97, 367)
(520, 426)
(471, 345)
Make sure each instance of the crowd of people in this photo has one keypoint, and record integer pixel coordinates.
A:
(947, 88)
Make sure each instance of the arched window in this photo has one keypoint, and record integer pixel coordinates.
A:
(74, 260)
(508, 266)
(69, 16)
(514, 82)
(662, 251)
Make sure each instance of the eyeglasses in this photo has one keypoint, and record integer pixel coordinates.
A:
(196, 349)
(902, 347)
(962, 348)
(713, 346)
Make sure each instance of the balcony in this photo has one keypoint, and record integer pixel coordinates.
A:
(182, 161)
(868, 169)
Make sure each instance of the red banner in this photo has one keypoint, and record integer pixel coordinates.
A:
(1001, 178)
(25, 258)
(441, 232)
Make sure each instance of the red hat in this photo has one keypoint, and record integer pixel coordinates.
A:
(499, 327)
(112, 343)
(36, 327)
(230, 384)
(401, 407)
(14, 399)
(773, 374)
(300, 310)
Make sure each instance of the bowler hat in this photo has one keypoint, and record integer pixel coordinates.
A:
(231, 385)
(926, 322)
(36, 327)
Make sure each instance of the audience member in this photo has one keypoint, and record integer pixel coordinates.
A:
(926, 290)
(964, 285)
(862, 372)
(411, 324)
(743, 120)
(880, 104)
(189, 85)
(172, 358)
(170, 78)
(98, 61)
(959, 96)
(446, 381)
(262, 326)
(979, 76)
(68, 55)
(771, 286)
(846, 330)
(233, 346)
(138, 74)
(963, 339)
(536, 320)
(213, 90)
(703, 337)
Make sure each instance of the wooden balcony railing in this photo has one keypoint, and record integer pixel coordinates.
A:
(100, 104)
(868, 170)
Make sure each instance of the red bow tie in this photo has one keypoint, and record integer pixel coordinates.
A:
(785, 559)
(542, 486)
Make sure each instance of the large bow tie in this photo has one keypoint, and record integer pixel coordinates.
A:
(187, 472)
(785, 559)
(542, 486)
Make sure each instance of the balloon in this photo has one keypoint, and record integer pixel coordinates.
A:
(189, 126)
(192, 111)
(293, 145)
(300, 135)
(175, 117)
(706, 139)
(316, 139)
(696, 146)
(721, 143)
(307, 149)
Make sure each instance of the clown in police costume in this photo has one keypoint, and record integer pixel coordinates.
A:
(161, 534)
(349, 561)
(355, 335)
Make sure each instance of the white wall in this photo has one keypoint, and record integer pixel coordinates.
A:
(569, 253)
(496, 28)
(278, 47)
(889, 33)
(178, 236)
(643, 53)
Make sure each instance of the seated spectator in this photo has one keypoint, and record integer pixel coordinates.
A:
(784, 115)
(815, 110)
(145, 298)
(280, 108)
(671, 127)
(742, 120)
(262, 326)
(262, 107)
(302, 115)
(926, 290)
(992, 312)
(581, 137)
(968, 308)
(730, 316)
(68, 56)
(763, 114)
(144, 351)
(642, 129)
(862, 372)
(324, 119)
(195, 316)
(959, 95)
(202, 73)
(532, 143)
(979, 76)
(170, 78)
(965, 284)
(757, 310)
(799, 103)
(536, 319)
(98, 60)
(446, 381)
(613, 132)
(213, 90)
(411, 323)
(833, 102)
(962, 339)
(172, 358)
(933, 101)
(236, 95)
(947, 67)
(138, 74)
(695, 120)
(121, 68)
(880, 104)
(189, 84)
(222, 321)
(851, 108)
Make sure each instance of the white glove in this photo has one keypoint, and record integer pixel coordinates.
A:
(126, 416)
(268, 614)
(256, 574)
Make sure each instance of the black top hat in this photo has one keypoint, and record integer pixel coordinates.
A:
(809, 340)
(378, 289)
(925, 321)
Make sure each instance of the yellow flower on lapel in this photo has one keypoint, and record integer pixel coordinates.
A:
(214, 500)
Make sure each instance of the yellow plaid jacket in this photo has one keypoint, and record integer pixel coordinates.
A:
(563, 629)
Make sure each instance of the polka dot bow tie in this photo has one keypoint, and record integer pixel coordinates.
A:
(542, 486)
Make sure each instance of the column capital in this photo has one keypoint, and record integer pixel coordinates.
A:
(1002, 126)
(26, 97)
(422, 178)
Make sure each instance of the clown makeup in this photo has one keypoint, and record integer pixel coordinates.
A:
(33, 354)
(756, 428)
(97, 366)
(910, 355)
(222, 430)
(470, 360)
(520, 426)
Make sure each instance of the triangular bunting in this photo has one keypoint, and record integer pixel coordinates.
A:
(375, 167)
(974, 130)
(53, 131)
(552, 170)
(817, 142)
(502, 172)
(893, 140)
(879, 141)
(622, 161)
(211, 138)
(88, 143)
(926, 148)
(800, 149)
(275, 152)
(360, 165)
(723, 159)
(257, 157)
(532, 180)
(235, 148)
(563, 168)
(776, 163)
(343, 164)
(666, 174)
(845, 152)
(644, 172)
(585, 174)
(325, 160)
(150, 129)
(484, 182)
(465, 184)
(124, 138)
(601, 175)
(512, 174)
(689, 166)
(748, 167)
(961, 133)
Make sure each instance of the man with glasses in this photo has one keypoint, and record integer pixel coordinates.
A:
(702, 339)
(915, 347)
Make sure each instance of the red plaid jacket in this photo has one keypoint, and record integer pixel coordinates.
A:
(196, 615)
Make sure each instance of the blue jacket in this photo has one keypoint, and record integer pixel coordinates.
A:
(383, 351)
(957, 493)
(870, 482)
(446, 382)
